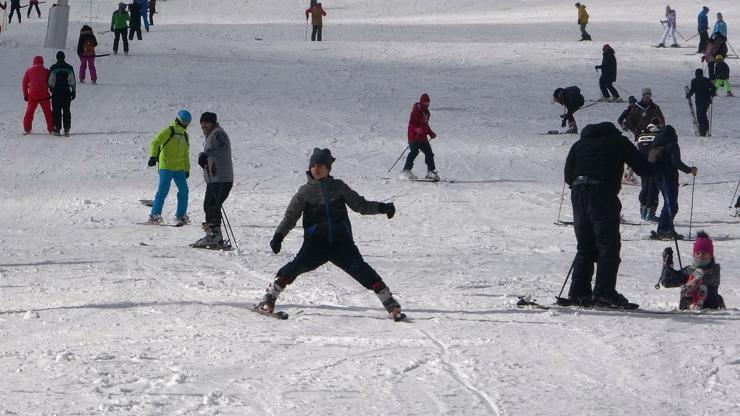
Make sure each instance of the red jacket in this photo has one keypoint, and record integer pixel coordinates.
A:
(419, 122)
(35, 81)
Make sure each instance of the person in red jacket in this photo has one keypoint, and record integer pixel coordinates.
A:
(36, 92)
(317, 21)
(417, 135)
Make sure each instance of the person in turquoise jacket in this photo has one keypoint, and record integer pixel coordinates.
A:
(171, 149)
(719, 27)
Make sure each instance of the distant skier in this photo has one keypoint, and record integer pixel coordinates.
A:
(583, 21)
(152, 11)
(703, 28)
(36, 92)
(722, 75)
(572, 100)
(32, 4)
(715, 46)
(62, 84)
(143, 12)
(15, 6)
(667, 154)
(171, 149)
(720, 27)
(703, 91)
(699, 281)
(134, 23)
(119, 26)
(327, 233)
(643, 113)
(670, 20)
(218, 172)
(86, 51)
(608, 76)
(317, 21)
(418, 134)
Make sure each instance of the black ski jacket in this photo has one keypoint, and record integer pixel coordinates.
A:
(600, 154)
(667, 154)
(608, 65)
(704, 90)
(721, 70)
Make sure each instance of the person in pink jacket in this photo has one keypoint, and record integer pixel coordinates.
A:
(36, 92)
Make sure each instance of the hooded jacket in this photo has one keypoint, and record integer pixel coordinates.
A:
(601, 153)
(172, 148)
(34, 84)
(570, 98)
(323, 205)
(582, 15)
(419, 129)
(608, 65)
(643, 114)
(62, 79)
(135, 19)
(721, 70)
(87, 42)
(218, 148)
(703, 88)
(667, 154)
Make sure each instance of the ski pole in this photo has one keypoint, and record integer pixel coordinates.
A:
(732, 49)
(399, 157)
(709, 133)
(566, 279)
(734, 193)
(226, 224)
(673, 226)
(562, 196)
(692, 37)
(622, 89)
(691, 211)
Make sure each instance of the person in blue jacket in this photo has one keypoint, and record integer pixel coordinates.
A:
(719, 27)
(143, 11)
(703, 28)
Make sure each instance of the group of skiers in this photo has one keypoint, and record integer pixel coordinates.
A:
(125, 25)
(41, 85)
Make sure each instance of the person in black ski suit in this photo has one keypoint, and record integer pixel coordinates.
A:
(667, 154)
(649, 186)
(703, 90)
(608, 76)
(327, 232)
(572, 100)
(593, 170)
(15, 6)
(134, 23)
(62, 85)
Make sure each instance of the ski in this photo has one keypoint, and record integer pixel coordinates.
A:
(655, 236)
(693, 113)
(277, 315)
(160, 225)
(221, 247)
(147, 202)
(432, 180)
(526, 303)
(557, 132)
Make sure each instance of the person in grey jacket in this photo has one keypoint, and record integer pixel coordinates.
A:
(218, 172)
(327, 233)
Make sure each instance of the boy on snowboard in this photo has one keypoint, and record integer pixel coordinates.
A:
(327, 233)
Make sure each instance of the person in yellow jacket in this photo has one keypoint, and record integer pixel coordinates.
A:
(171, 149)
(583, 21)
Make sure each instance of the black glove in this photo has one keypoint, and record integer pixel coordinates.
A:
(152, 161)
(668, 256)
(596, 67)
(387, 209)
(25, 98)
(276, 243)
(203, 160)
(562, 123)
(187, 175)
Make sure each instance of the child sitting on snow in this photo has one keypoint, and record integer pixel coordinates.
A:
(700, 281)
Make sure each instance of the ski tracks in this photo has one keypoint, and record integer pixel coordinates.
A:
(458, 376)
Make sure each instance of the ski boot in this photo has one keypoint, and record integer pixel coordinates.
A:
(212, 239)
(572, 128)
(390, 304)
(154, 220)
(617, 100)
(661, 45)
(604, 99)
(650, 216)
(66, 132)
(267, 304)
(616, 300)
(432, 176)
(181, 220)
(407, 174)
(675, 45)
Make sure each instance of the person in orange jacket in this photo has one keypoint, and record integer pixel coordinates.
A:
(36, 92)
(317, 12)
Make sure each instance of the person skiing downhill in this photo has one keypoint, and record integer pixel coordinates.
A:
(317, 21)
(703, 90)
(583, 21)
(35, 89)
(418, 134)
(171, 149)
(62, 84)
(608, 76)
(218, 172)
(670, 20)
(86, 51)
(699, 281)
(327, 233)
(572, 100)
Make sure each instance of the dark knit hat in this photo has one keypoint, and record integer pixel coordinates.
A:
(208, 117)
(632, 99)
(60, 56)
(321, 157)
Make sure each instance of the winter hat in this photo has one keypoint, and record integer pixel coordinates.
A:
(60, 56)
(424, 98)
(632, 99)
(703, 243)
(38, 60)
(647, 91)
(208, 117)
(578, 4)
(719, 15)
(699, 73)
(705, 9)
(605, 47)
(321, 157)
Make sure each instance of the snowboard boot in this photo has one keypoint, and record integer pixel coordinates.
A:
(572, 128)
(154, 220)
(182, 219)
(406, 173)
(268, 301)
(389, 303)
(432, 175)
(213, 238)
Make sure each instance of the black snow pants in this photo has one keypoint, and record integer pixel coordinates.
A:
(216, 194)
(120, 34)
(18, 12)
(316, 33)
(414, 148)
(701, 117)
(60, 102)
(607, 87)
(649, 191)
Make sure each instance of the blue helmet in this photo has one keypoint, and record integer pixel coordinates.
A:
(184, 117)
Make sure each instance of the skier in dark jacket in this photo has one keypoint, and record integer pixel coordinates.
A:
(649, 186)
(327, 233)
(86, 51)
(623, 117)
(703, 91)
(643, 113)
(667, 154)
(15, 6)
(699, 281)
(593, 170)
(62, 85)
(134, 23)
(703, 28)
(572, 100)
(608, 76)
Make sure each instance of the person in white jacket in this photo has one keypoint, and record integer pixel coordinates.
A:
(670, 29)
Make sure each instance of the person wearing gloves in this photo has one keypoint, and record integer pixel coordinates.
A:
(62, 84)
(35, 86)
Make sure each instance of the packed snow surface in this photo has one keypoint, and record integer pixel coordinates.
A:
(101, 315)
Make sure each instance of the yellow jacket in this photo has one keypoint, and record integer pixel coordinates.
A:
(582, 15)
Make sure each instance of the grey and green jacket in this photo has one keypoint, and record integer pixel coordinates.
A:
(323, 205)
(218, 148)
